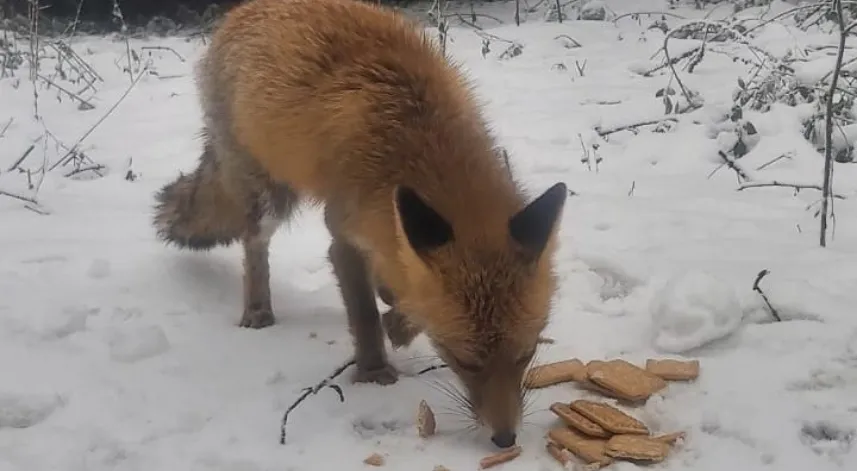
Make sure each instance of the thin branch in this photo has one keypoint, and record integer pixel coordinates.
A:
(758, 289)
(72, 151)
(19, 197)
(327, 383)
(6, 126)
(730, 162)
(323, 384)
(632, 127)
(827, 192)
(664, 13)
(795, 186)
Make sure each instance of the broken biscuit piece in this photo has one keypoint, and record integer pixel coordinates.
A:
(560, 454)
(674, 370)
(609, 418)
(629, 381)
(549, 374)
(637, 448)
(577, 421)
(426, 423)
(374, 460)
(670, 438)
(501, 457)
(590, 450)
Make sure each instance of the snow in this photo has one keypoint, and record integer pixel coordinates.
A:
(119, 353)
(692, 310)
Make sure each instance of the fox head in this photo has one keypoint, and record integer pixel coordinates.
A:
(482, 304)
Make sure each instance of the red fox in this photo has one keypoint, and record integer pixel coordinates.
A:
(352, 107)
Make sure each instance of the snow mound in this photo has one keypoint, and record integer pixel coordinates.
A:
(25, 411)
(693, 309)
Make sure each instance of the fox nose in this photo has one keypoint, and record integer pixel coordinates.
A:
(504, 439)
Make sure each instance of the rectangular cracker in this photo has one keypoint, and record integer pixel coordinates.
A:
(637, 448)
(553, 373)
(609, 418)
(578, 422)
(625, 379)
(590, 450)
(673, 370)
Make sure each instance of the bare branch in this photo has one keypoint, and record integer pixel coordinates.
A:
(758, 289)
(796, 186)
(71, 152)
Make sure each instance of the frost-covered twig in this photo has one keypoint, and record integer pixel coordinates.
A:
(23, 156)
(73, 150)
(6, 126)
(84, 103)
(18, 197)
(326, 383)
(638, 13)
(632, 127)
(730, 162)
(758, 289)
(795, 186)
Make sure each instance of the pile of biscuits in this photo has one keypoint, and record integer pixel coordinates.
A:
(594, 432)
(599, 433)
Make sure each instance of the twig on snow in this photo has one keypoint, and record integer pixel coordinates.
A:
(24, 155)
(574, 42)
(632, 127)
(796, 186)
(84, 104)
(758, 289)
(6, 126)
(19, 197)
(729, 162)
(327, 383)
(323, 384)
(73, 150)
(639, 13)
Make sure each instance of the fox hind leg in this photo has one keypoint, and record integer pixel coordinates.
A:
(268, 210)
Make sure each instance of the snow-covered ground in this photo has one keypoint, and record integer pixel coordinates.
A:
(117, 353)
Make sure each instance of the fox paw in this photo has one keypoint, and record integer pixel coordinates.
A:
(257, 318)
(384, 375)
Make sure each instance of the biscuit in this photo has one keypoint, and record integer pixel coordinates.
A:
(670, 438)
(560, 454)
(500, 457)
(674, 370)
(637, 448)
(553, 373)
(374, 460)
(590, 450)
(426, 424)
(577, 421)
(630, 382)
(609, 418)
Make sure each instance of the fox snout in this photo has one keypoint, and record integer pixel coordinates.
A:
(499, 405)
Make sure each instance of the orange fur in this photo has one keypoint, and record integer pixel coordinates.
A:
(344, 103)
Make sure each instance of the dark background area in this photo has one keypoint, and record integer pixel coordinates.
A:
(99, 14)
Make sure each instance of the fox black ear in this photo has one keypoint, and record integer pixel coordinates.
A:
(423, 226)
(532, 226)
